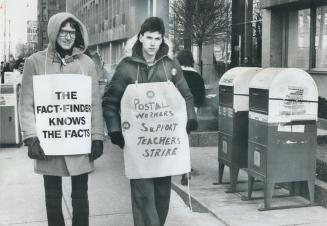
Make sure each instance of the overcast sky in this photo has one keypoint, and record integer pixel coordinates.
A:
(18, 12)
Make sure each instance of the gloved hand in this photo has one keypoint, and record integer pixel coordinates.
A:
(118, 139)
(191, 125)
(96, 149)
(35, 150)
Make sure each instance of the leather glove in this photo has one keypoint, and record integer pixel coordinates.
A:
(35, 150)
(191, 125)
(96, 149)
(118, 139)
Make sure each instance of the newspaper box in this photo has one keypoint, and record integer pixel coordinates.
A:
(283, 106)
(9, 123)
(233, 121)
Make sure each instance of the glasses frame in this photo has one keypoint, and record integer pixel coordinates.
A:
(63, 34)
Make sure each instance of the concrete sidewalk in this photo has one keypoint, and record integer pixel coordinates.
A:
(22, 194)
(229, 207)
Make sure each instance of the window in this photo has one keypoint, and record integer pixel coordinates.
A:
(307, 38)
(299, 39)
(321, 38)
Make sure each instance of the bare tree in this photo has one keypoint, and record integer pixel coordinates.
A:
(24, 50)
(210, 19)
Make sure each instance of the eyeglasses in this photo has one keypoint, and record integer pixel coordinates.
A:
(63, 34)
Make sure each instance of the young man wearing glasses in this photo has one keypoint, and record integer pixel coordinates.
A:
(68, 41)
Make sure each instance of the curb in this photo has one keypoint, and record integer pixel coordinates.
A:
(197, 206)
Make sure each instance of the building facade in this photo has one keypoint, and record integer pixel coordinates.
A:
(295, 35)
(32, 32)
(111, 23)
(45, 9)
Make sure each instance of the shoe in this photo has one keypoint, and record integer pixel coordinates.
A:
(184, 180)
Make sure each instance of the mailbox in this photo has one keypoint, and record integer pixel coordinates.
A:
(9, 123)
(233, 121)
(283, 104)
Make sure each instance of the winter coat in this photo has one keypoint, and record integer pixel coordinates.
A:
(196, 85)
(126, 73)
(49, 62)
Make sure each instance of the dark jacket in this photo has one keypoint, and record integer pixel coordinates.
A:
(126, 73)
(196, 85)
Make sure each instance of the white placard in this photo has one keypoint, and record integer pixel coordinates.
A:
(225, 146)
(256, 158)
(63, 105)
(153, 117)
(293, 106)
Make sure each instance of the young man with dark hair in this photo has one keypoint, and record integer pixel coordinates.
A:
(149, 63)
(68, 40)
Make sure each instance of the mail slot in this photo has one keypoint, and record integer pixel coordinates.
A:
(233, 121)
(283, 105)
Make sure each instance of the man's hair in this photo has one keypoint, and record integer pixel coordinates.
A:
(72, 23)
(152, 24)
(79, 38)
(185, 58)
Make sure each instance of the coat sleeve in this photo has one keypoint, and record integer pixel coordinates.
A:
(26, 101)
(96, 118)
(112, 98)
(183, 88)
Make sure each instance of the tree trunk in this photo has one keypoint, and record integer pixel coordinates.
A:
(200, 58)
(188, 26)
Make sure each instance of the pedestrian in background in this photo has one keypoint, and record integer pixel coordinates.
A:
(193, 78)
(2, 72)
(68, 40)
(195, 83)
(148, 63)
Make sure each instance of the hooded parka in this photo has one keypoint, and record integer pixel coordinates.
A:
(50, 62)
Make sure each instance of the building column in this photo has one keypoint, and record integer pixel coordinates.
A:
(272, 38)
(162, 10)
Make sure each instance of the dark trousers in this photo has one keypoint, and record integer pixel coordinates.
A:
(53, 200)
(150, 200)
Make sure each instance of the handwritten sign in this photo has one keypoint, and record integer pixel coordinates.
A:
(154, 121)
(62, 105)
(293, 106)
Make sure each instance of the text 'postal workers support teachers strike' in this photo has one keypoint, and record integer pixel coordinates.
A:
(154, 118)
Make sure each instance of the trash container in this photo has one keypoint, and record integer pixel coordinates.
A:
(282, 129)
(9, 122)
(233, 121)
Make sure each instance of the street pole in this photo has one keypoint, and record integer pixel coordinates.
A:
(9, 39)
(4, 32)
